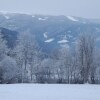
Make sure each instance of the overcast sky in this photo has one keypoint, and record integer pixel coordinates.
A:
(80, 8)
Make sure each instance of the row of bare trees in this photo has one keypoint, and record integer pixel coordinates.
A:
(26, 63)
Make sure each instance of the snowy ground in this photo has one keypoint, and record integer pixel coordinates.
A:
(49, 92)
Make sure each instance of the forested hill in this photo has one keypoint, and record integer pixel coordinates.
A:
(49, 49)
(51, 32)
(10, 36)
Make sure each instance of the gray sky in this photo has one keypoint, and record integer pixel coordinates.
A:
(81, 8)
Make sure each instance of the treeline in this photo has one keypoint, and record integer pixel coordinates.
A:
(26, 63)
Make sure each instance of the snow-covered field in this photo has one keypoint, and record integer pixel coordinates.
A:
(49, 92)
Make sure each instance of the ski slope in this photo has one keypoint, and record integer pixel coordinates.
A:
(49, 92)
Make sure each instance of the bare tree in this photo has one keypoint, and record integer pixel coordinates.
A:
(26, 56)
(86, 49)
(3, 54)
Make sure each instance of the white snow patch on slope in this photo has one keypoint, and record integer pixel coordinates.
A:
(45, 18)
(7, 17)
(72, 18)
(45, 35)
(49, 40)
(63, 41)
(49, 92)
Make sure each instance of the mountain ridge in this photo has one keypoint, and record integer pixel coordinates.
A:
(51, 32)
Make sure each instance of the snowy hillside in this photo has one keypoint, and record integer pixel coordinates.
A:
(49, 92)
(50, 31)
(49, 49)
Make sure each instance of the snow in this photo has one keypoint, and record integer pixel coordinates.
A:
(49, 40)
(71, 18)
(63, 41)
(45, 35)
(7, 17)
(41, 19)
(49, 92)
(45, 18)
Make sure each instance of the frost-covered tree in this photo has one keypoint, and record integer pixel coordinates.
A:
(3, 47)
(3, 53)
(63, 64)
(8, 67)
(86, 51)
(9, 70)
(26, 56)
(45, 73)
